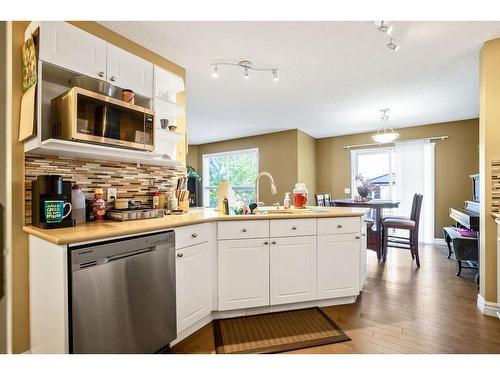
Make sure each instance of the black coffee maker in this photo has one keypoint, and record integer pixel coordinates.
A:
(50, 190)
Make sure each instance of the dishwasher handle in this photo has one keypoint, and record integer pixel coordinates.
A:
(129, 254)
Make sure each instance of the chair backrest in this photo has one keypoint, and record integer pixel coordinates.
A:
(320, 200)
(328, 199)
(416, 207)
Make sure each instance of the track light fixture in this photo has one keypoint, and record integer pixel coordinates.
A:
(387, 30)
(246, 65)
(392, 45)
(215, 73)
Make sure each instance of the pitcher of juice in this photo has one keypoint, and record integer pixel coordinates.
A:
(300, 195)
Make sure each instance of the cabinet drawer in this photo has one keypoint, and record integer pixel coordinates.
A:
(191, 235)
(292, 227)
(233, 230)
(339, 225)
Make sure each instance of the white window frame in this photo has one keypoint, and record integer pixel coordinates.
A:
(372, 150)
(205, 187)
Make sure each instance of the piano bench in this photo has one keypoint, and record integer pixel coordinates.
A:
(466, 249)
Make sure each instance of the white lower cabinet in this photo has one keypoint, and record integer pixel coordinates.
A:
(363, 256)
(338, 265)
(293, 269)
(193, 284)
(243, 273)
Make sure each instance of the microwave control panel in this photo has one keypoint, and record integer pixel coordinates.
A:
(148, 124)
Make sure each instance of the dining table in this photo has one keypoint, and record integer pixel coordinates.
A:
(374, 232)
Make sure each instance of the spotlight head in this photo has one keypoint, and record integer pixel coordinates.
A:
(215, 73)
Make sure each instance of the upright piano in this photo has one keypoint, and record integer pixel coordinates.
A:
(465, 240)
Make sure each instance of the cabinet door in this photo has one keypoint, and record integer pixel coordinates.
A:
(293, 269)
(193, 284)
(69, 47)
(338, 265)
(363, 256)
(129, 71)
(243, 271)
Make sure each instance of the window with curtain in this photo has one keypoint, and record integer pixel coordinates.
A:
(239, 168)
(400, 171)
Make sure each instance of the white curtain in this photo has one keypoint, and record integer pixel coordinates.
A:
(414, 173)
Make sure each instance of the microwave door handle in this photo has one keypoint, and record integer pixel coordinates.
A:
(104, 120)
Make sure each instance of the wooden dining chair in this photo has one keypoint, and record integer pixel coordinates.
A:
(411, 224)
(320, 200)
(328, 200)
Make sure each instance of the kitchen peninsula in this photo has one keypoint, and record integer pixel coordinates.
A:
(225, 265)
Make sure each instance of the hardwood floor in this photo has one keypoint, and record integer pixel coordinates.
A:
(403, 309)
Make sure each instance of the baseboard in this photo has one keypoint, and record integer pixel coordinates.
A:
(488, 308)
(439, 241)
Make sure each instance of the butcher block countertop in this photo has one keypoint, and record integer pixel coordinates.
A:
(108, 228)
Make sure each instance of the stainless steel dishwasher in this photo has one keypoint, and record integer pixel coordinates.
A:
(123, 295)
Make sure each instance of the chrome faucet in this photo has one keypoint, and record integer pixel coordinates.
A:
(273, 187)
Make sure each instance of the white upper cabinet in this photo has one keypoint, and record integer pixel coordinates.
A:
(128, 71)
(67, 46)
(292, 269)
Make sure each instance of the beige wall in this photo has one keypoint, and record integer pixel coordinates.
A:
(20, 285)
(456, 159)
(306, 165)
(19, 257)
(277, 155)
(489, 137)
(3, 191)
(192, 157)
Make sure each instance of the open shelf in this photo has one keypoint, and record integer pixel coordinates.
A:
(91, 151)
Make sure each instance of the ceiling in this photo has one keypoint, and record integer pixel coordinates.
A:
(334, 76)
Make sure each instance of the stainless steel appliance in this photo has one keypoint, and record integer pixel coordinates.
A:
(123, 295)
(87, 116)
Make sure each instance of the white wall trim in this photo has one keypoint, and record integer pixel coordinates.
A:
(488, 308)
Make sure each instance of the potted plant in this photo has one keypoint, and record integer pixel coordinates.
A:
(365, 187)
(191, 172)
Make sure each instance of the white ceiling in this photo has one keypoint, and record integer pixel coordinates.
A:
(334, 76)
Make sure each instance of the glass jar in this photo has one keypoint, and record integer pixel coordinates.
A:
(300, 195)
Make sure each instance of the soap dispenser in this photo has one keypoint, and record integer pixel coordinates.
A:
(286, 202)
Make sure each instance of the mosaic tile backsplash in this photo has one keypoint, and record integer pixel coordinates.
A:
(130, 180)
(495, 185)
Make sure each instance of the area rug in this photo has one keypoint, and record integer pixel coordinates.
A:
(276, 332)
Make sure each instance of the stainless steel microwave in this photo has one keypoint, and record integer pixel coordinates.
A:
(87, 116)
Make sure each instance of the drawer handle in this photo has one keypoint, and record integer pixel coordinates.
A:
(294, 228)
(194, 235)
(339, 226)
(100, 74)
(112, 79)
(363, 234)
(274, 242)
(266, 243)
(243, 229)
(358, 237)
(180, 255)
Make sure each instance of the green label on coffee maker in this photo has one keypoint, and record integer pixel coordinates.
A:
(54, 211)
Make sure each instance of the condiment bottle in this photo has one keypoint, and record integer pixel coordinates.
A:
(300, 195)
(172, 202)
(156, 199)
(99, 204)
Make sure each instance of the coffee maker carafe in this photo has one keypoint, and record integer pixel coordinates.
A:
(51, 197)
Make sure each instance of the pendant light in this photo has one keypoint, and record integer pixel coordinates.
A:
(385, 133)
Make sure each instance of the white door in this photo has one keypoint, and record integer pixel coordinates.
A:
(293, 269)
(129, 71)
(69, 47)
(193, 284)
(338, 265)
(243, 271)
